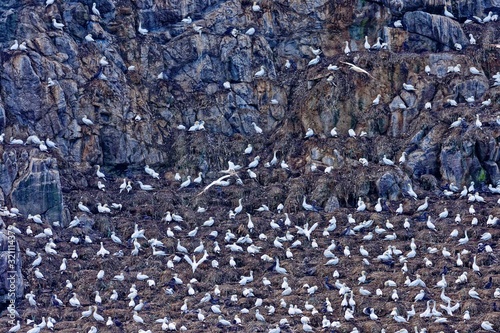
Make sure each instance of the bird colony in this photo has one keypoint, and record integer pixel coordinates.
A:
(163, 250)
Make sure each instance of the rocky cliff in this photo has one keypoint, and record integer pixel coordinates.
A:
(185, 86)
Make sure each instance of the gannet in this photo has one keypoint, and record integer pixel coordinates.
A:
(250, 31)
(15, 328)
(470, 99)
(387, 161)
(35, 329)
(16, 141)
(254, 163)
(284, 165)
(57, 25)
(255, 7)
(102, 251)
(145, 187)
(357, 69)
(142, 30)
(408, 87)
(257, 129)
(87, 121)
(103, 208)
(187, 20)
(447, 13)
(423, 206)
(472, 40)
(307, 206)
(36, 218)
(473, 293)
(15, 46)
(486, 325)
(137, 318)
(486, 102)
(95, 10)
(314, 61)
(347, 50)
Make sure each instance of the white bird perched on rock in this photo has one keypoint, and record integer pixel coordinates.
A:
(95, 10)
(102, 251)
(254, 163)
(423, 206)
(366, 45)
(141, 30)
(357, 69)
(486, 325)
(486, 102)
(250, 31)
(145, 187)
(333, 67)
(473, 293)
(470, 99)
(472, 40)
(456, 123)
(411, 192)
(376, 101)
(186, 183)
(309, 133)
(255, 7)
(307, 206)
(14, 46)
(87, 121)
(387, 161)
(408, 87)
(478, 122)
(347, 50)
(447, 13)
(248, 149)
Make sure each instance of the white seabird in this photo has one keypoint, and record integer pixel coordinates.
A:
(57, 25)
(257, 129)
(95, 10)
